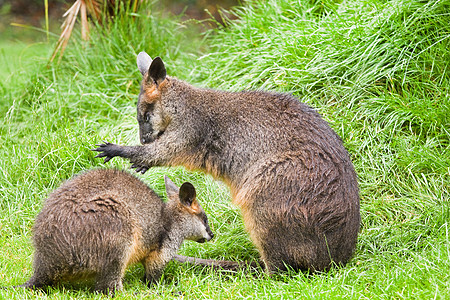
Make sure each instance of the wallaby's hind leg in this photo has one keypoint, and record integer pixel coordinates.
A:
(299, 253)
(153, 269)
(109, 279)
(43, 276)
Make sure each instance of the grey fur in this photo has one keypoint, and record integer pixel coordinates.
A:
(287, 169)
(97, 223)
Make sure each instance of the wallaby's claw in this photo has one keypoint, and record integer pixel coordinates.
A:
(100, 154)
(143, 170)
(139, 169)
(101, 146)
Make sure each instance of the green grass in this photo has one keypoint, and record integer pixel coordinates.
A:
(378, 71)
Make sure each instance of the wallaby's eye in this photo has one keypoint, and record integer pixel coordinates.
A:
(149, 111)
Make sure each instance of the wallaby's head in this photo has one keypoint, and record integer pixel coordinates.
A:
(190, 215)
(152, 114)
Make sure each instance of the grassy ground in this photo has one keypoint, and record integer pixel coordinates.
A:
(378, 71)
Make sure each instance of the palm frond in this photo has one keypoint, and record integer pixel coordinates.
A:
(83, 7)
(67, 27)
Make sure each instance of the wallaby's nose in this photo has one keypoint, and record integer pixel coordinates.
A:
(146, 139)
(209, 237)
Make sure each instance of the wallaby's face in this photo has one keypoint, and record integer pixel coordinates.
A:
(192, 217)
(152, 118)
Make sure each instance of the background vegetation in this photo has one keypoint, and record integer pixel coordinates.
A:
(378, 71)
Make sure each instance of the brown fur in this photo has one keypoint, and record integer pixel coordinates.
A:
(286, 168)
(98, 223)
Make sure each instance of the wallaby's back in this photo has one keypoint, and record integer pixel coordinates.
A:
(289, 173)
(99, 222)
(116, 202)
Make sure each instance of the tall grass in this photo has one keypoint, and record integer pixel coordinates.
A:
(378, 71)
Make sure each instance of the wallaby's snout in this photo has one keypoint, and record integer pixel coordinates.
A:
(211, 235)
(207, 236)
(146, 140)
(145, 128)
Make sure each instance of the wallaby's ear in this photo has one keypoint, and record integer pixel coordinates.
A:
(157, 71)
(143, 62)
(187, 194)
(171, 189)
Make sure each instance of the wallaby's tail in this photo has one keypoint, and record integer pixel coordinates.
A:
(33, 284)
(220, 264)
(27, 285)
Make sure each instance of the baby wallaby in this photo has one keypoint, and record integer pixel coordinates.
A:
(287, 169)
(99, 222)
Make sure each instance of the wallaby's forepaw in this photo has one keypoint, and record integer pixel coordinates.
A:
(139, 168)
(107, 150)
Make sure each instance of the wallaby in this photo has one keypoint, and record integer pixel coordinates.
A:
(97, 223)
(286, 168)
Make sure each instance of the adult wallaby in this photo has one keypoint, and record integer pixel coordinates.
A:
(286, 168)
(99, 222)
